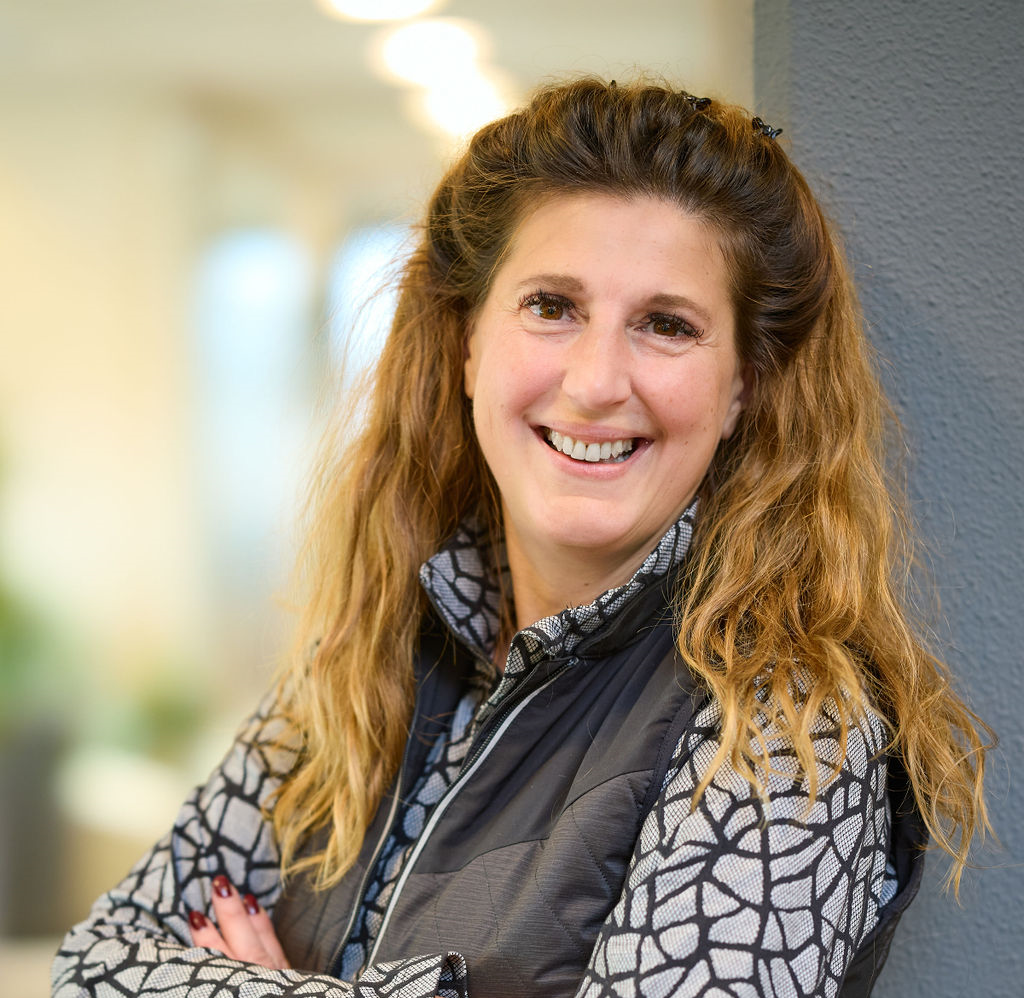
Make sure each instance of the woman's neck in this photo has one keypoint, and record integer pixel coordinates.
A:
(544, 585)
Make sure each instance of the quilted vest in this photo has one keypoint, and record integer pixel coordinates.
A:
(525, 856)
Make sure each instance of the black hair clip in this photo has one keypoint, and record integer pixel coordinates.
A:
(766, 129)
(697, 103)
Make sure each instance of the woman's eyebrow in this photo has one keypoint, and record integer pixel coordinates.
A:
(560, 282)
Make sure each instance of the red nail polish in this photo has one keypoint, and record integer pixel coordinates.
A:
(222, 887)
(251, 904)
(197, 920)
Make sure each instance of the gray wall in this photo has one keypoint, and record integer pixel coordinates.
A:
(908, 119)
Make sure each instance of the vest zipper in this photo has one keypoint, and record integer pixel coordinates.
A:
(334, 967)
(502, 719)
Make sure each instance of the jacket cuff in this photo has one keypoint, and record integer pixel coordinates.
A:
(441, 974)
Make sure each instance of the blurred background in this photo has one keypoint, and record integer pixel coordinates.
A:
(197, 199)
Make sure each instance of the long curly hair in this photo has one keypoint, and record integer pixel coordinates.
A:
(798, 582)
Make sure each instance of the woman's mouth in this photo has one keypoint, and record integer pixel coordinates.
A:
(607, 452)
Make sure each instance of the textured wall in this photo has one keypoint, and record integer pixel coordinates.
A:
(909, 121)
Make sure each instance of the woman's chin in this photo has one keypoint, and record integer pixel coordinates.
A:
(589, 534)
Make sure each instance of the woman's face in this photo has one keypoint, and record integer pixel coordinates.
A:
(603, 371)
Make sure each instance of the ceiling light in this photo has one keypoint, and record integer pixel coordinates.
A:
(462, 106)
(429, 53)
(377, 10)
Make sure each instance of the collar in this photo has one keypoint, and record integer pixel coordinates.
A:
(466, 593)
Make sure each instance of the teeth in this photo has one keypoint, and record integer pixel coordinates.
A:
(608, 450)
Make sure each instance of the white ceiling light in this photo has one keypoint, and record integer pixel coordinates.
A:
(428, 53)
(461, 108)
(377, 10)
(455, 91)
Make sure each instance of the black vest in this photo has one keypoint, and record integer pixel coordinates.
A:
(523, 859)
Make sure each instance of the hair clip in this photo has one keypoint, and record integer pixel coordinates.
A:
(766, 129)
(697, 103)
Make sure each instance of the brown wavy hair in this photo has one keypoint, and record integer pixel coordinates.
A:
(798, 580)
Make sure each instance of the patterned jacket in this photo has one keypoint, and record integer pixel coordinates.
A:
(542, 837)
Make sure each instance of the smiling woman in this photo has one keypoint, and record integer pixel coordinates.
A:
(605, 683)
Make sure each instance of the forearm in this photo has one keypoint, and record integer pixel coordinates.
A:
(147, 967)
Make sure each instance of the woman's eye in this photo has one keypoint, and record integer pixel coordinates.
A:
(671, 325)
(546, 306)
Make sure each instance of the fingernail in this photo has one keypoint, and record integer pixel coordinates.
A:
(222, 887)
(251, 904)
(197, 920)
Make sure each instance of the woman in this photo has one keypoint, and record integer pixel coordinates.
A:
(612, 686)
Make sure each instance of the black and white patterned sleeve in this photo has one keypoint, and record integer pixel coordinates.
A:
(136, 940)
(747, 898)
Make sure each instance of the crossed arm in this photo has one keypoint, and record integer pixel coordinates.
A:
(716, 896)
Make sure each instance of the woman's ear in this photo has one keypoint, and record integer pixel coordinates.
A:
(470, 365)
(742, 387)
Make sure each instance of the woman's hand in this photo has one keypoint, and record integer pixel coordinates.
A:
(243, 930)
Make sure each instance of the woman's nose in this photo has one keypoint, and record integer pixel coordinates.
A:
(597, 371)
